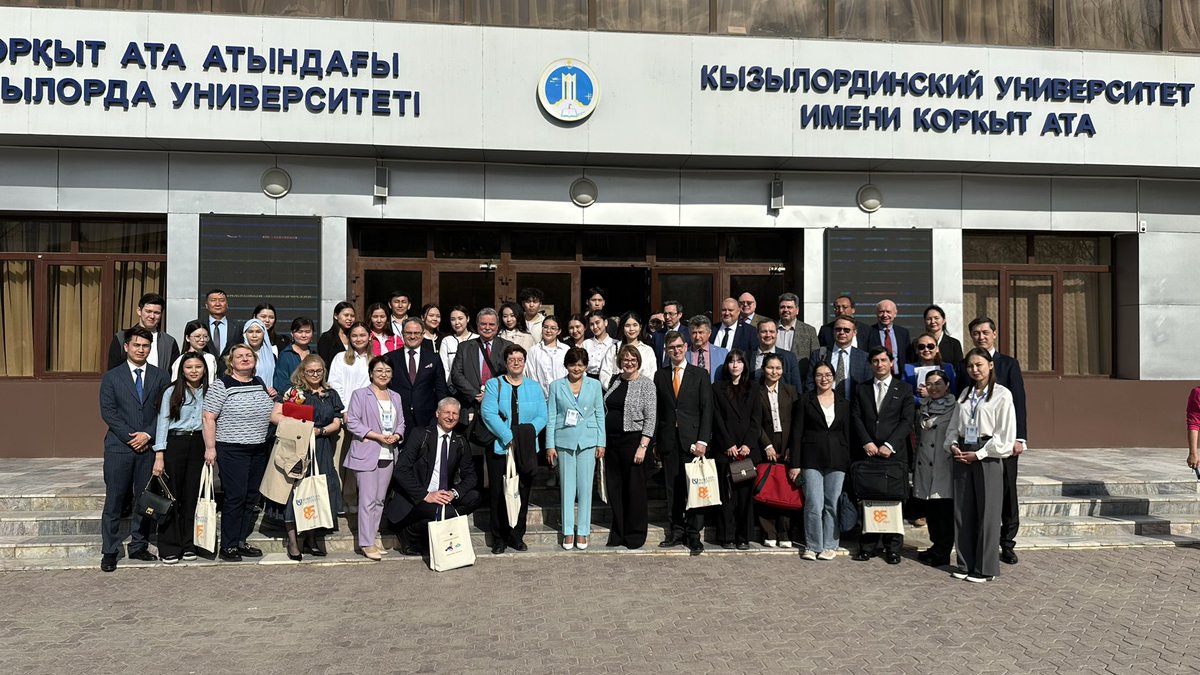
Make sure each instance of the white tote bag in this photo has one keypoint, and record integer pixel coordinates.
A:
(512, 489)
(883, 518)
(450, 543)
(703, 490)
(310, 499)
(204, 534)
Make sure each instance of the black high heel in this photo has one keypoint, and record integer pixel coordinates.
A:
(291, 544)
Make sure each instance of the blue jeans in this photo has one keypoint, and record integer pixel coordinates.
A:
(822, 488)
(576, 469)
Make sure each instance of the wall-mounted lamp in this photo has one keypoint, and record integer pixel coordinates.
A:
(870, 198)
(276, 183)
(584, 192)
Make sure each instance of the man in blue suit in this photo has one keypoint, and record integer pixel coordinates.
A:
(702, 353)
(886, 333)
(417, 375)
(672, 321)
(849, 363)
(129, 399)
(768, 333)
(732, 333)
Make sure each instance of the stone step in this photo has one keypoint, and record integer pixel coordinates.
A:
(1104, 526)
(1112, 505)
(1038, 486)
(90, 501)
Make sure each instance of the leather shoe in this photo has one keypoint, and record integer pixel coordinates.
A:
(231, 555)
(862, 556)
(108, 563)
(519, 545)
(695, 548)
(249, 551)
(743, 546)
(891, 558)
(728, 545)
(499, 547)
(1008, 556)
(413, 551)
(143, 554)
(670, 542)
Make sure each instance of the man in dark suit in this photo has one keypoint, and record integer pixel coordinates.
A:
(748, 310)
(165, 349)
(843, 306)
(672, 321)
(418, 375)
(850, 367)
(1008, 374)
(886, 333)
(434, 470)
(471, 370)
(882, 413)
(129, 399)
(767, 334)
(223, 332)
(684, 429)
(731, 333)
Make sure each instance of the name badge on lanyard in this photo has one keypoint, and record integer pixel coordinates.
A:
(572, 417)
(972, 435)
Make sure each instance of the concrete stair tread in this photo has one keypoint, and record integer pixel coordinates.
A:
(1177, 518)
(1070, 499)
(1107, 541)
(13, 516)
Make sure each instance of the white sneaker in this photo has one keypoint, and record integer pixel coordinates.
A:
(978, 578)
(959, 574)
(808, 555)
(826, 555)
(784, 543)
(769, 543)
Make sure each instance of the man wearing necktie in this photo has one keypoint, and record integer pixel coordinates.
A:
(684, 429)
(886, 333)
(130, 395)
(223, 332)
(417, 375)
(731, 333)
(434, 471)
(702, 353)
(849, 363)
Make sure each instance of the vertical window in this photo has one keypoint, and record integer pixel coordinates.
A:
(1181, 25)
(16, 318)
(1051, 296)
(571, 14)
(433, 11)
(1013, 23)
(888, 20)
(1125, 25)
(774, 18)
(665, 16)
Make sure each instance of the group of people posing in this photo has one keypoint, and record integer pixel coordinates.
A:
(410, 416)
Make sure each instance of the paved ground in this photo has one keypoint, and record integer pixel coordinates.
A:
(1121, 611)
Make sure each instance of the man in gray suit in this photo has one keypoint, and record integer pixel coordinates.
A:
(476, 362)
(164, 349)
(129, 399)
(792, 334)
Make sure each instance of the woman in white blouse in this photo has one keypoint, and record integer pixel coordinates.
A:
(545, 362)
(631, 334)
(512, 326)
(599, 344)
(460, 324)
(348, 371)
(982, 430)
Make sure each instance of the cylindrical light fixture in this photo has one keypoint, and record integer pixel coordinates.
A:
(870, 198)
(584, 192)
(276, 183)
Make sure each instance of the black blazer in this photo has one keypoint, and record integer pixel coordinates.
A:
(420, 398)
(819, 445)
(1008, 373)
(168, 351)
(791, 368)
(330, 345)
(233, 336)
(892, 424)
(414, 470)
(900, 349)
(744, 337)
(825, 336)
(465, 374)
(736, 421)
(121, 410)
(688, 419)
(788, 397)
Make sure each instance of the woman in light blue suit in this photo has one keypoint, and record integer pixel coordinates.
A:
(575, 436)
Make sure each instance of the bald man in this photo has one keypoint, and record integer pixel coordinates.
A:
(886, 333)
(732, 333)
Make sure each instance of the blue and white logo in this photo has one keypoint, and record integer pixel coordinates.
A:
(568, 90)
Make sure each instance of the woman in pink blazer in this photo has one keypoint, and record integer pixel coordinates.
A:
(376, 423)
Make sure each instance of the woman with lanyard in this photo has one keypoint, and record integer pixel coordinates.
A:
(383, 340)
(237, 416)
(179, 454)
(460, 324)
(375, 420)
(515, 413)
(630, 418)
(632, 335)
(575, 440)
(933, 468)
(195, 339)
(291, 355)
(309, 388)
(254, 335)
(983, 428)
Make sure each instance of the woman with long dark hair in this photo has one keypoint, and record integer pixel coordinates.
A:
(379, 322)
(265, 312)
(512, 326)
(291, 355)
(337, 339)
(631, 332)
(737, 427)
(195, 339)
(179, 454)
(460, 325)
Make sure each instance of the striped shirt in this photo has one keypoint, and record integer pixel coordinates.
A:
(243, 410)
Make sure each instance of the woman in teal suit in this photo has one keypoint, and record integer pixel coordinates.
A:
(575, 439)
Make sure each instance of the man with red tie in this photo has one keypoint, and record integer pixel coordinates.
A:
(886, 333)
(417, 375)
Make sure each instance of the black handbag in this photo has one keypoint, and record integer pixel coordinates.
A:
(877, 479)
(742, 471)
(477, 432)
(154, 505)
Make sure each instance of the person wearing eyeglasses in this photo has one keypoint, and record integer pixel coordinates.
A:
(933, 467)
(927, 355)
(843, 306)
(849, 363)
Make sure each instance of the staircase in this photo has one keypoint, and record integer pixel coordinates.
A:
(50, 515)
